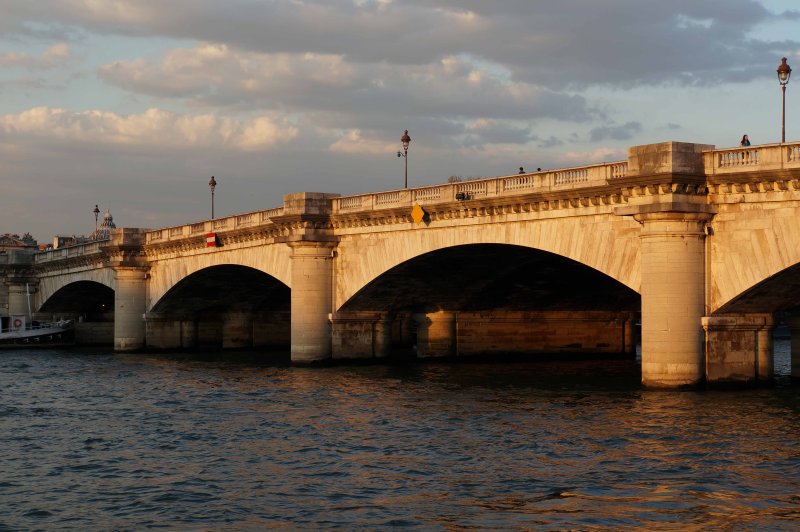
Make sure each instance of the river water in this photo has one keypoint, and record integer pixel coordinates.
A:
(97, 441)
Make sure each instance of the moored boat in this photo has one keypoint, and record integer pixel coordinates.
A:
(20, 334)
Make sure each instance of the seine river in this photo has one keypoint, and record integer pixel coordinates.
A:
(96, 441)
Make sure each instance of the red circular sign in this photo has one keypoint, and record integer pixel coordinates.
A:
(17, 323)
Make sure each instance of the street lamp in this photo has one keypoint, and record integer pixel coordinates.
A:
(406, 140)
(784, 71)
(96, 212)
(212, 185)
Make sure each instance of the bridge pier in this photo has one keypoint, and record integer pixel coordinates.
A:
(739, 348)
(312, 272)
(237, 329)
(436, 334)
(129, 307)
(673, 298)
(794, 329)
(17, 299)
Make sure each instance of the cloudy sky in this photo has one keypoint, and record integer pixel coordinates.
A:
(134, 104)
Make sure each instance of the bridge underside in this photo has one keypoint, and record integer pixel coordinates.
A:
(223, 306)
(739, 334)
(487, 300)
(90, 304)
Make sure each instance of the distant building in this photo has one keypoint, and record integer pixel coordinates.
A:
(104, 231)
(61, 241)
(9, 241)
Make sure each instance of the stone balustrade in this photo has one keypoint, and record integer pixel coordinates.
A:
(752, 158)
(518, 184)
(239, 221)
(715, 162)
(68, 252)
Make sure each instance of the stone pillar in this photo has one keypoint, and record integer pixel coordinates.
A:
(353, 334)
(188, 334)
(436, 334)
(673, 298)
(312, 271)
(237, 330)
(794, 328)
(382, 337)
(162, 332)
(17, 300)
(739, 348)
(629, 336)
(130, 303)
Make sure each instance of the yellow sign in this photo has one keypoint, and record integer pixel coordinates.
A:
(417, 213)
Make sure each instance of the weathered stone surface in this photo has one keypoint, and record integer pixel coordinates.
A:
(698, 232)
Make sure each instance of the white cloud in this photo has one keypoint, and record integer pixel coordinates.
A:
(50, 58)
(598, 155)
(220, 74)
(154, 128)
(353, 143)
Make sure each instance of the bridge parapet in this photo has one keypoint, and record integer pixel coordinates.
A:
(502, 186)
(198, 229)
(79, 250)
(752, 159)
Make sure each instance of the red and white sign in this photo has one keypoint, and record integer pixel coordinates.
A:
(17, 323)
(211, 240)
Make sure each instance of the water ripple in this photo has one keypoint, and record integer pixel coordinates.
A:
(95, 441)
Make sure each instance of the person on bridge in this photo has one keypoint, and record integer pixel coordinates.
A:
(745, 141)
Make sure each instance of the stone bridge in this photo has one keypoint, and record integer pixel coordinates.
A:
(701, 245)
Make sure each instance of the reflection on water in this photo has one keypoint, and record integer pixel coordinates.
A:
(101, 441)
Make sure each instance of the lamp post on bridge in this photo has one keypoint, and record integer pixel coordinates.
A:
(406, 140)
(212, 185)
(96, 212)
(784, 71)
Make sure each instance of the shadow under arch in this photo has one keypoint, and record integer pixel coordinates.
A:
(780, 292)
(492, 277)
(488, 299)
(210, 299)
(89, 300)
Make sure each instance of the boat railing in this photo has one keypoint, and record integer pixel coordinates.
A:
(40, 326)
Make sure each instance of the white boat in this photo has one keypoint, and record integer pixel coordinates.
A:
(19, 334)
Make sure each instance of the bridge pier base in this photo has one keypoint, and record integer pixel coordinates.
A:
(17, 300)
(237, 330)
(739, 349)
(162, 332)
(359, 335)
(794, 328)
(312, 272)
(673, 298)
(129, 308)
(436, 334)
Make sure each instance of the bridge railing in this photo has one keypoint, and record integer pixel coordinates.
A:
(518, 184)
(755, 158)
(238, 221)
(78, 250)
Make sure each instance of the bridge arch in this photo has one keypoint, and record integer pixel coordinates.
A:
(754, 255)
(224, 305)
(606, 243)
(167, 273)
(224, 286)
(89, 300)
(50, 285)
(488, 299)
(776, 293)
(474, 277)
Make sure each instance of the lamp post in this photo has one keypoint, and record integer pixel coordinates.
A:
(406, 140)
(212, 185)
(96, 212)
(784, 71)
